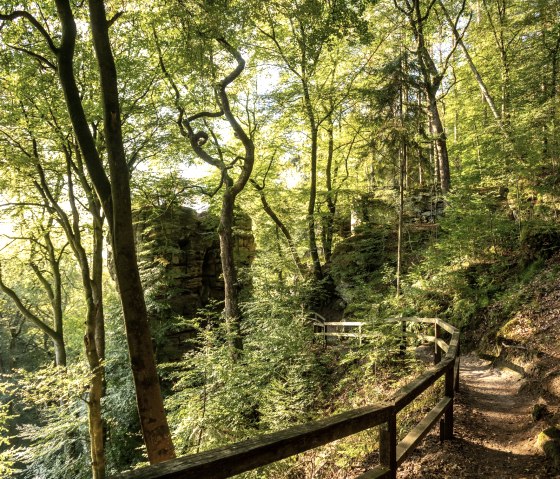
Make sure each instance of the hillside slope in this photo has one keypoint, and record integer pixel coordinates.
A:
(496, 429)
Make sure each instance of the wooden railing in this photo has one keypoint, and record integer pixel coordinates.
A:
(262, 450)
(338, 329)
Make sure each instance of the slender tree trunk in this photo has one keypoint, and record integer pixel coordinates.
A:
(56, 333)
(403, 153)
(231, 302)
(432, 80)
(440, 142)
(311, 235)
(400, 220)
(232, 311)
(483, 89)
(282, 227)
(148, 394)
(331, 203)
(115, 199)
(94, 341)
(97, 386)
(59, 351)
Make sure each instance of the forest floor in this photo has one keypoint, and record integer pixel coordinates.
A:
(495, 435)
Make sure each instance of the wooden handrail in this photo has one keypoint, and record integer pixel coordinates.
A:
(246, 455)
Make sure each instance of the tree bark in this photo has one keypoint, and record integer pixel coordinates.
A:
(148, 394)
(94, 339)
(440, 141)
(311, 235)
(280, 224)
(115, 199)
(328, 223)
(432, 81)
(54, 334)
(233, 187)
(232, 312)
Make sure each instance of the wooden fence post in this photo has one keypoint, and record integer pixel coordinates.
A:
(457, 367)
(437, 351)
(450, 393)
(388, 444)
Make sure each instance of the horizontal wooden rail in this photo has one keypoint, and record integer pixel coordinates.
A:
(322, 329)
(259, 451)
(413, 438)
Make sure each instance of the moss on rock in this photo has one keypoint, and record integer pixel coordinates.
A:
(549, 442)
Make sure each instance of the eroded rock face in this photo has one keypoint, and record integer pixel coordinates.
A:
(179, 258)
(179, 253)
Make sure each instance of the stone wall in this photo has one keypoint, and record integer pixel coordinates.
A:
(179, 248)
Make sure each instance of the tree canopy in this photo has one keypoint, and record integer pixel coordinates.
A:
(379, 150)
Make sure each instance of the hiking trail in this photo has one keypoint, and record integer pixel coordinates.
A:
(495, 436)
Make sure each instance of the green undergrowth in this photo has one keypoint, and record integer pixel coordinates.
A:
(476, 270)
(285, 376)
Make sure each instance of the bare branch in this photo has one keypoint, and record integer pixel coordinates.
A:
(240, 63)
(114, 18)
(205, 114)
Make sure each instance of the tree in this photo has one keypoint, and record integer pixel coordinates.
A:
(298, 37)
(113, 191)
(417, 16)
(231, 187)
(43, 252)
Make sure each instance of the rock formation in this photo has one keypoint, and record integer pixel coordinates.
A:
(179, 254)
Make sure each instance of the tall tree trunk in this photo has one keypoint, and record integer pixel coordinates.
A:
(94, 339)
(232, 311)
(148, 394)
(96, 332)
(282, 227)
(431, 78)
(114, 195)
(231, 302)
(328, 222)
(440, 142)
(311, 234)
(402, 161)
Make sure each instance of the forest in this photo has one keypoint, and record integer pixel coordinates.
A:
(187, 185)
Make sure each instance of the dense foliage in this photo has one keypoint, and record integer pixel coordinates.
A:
(396, 157)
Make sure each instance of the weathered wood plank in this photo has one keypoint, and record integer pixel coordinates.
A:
(453, 350)
(411, 319)
(442, 345)
(425, 337)
(344, 335)
(262, 450)
(379, 472)
(443, 325)
(408, 393)
(413, 438)
(388, 444)
(345, 323)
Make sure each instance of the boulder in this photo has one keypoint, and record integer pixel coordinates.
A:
(549, 442)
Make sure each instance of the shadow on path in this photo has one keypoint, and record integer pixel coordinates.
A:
(494, 432)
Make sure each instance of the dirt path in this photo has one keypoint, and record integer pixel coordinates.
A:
(494, 432)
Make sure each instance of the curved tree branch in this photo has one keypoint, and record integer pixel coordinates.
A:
(36, 24)
(40, 58)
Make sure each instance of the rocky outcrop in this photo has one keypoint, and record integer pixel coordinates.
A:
(179, 252)
(420, 206)
(179, 256)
